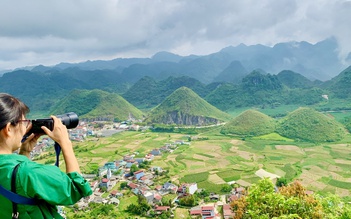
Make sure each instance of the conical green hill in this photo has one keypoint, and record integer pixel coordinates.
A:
(309, 125)
(98, 104)
(185, 107)
(250, 123)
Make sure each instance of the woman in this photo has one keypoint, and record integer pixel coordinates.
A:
(46, 183)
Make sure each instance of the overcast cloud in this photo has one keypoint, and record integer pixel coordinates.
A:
(52, 31)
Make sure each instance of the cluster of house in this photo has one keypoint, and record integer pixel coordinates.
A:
(77, 134)
(209, 211)
(139, 183)
(80, 133)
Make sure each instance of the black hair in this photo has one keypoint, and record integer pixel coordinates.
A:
(11, 110)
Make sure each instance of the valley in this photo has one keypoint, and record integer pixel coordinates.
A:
(212, 159)
(211, 121)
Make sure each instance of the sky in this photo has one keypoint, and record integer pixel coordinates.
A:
(49, 32)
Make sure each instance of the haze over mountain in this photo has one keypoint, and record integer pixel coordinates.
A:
(318, 61)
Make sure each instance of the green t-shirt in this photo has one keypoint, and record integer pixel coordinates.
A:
(46, 183)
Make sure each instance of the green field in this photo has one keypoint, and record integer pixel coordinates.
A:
(220, 159)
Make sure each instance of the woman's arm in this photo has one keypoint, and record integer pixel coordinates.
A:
(60, 135)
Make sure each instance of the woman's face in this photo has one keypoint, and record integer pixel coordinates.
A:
(20, 130)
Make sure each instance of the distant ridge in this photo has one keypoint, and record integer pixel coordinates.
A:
(185, 107)
(234, 73)
(318, 61)
(97, 104)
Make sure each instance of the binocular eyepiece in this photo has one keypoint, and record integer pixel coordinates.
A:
(70, 120)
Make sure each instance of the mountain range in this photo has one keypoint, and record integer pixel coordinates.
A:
(241, 76)
(318, 61)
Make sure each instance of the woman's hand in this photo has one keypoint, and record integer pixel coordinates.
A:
(29, 143)
(59, 133)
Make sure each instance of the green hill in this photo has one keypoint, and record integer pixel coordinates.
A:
(250, 123)
(294, 80)
(148, 93)
(309, 125)
(264, 90)
(92, 104)
(256, 89)
(143, 93)
(339, 86)
(185, 107)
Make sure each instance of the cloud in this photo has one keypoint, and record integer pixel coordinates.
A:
(48, 32)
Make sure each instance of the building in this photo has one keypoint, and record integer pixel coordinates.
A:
(227, 212)
(138, 174)
(188, 188)
(105, 183)
(206, 212)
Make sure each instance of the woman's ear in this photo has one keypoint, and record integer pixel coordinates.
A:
(7, 130)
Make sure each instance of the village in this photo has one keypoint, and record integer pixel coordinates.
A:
(137, 175)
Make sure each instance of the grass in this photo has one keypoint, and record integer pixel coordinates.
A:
(274, 137)
(279, 111)
(181, 213)
(197, 177)
(290, 172)
(336, 183)
(340, 116)
(230, 175)
(209, 186)
(226, 146)
(206, 155)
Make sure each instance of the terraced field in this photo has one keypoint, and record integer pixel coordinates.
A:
(221, 159)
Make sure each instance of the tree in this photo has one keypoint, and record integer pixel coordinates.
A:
(133, 169)
(189, 200)
(226, 188)
(123, 185)
(282, 181)
(263, 202)
(334, 207)
(139, 209)
(204, 193)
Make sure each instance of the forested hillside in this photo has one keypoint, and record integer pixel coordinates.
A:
(185, 107)
(97, 104)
